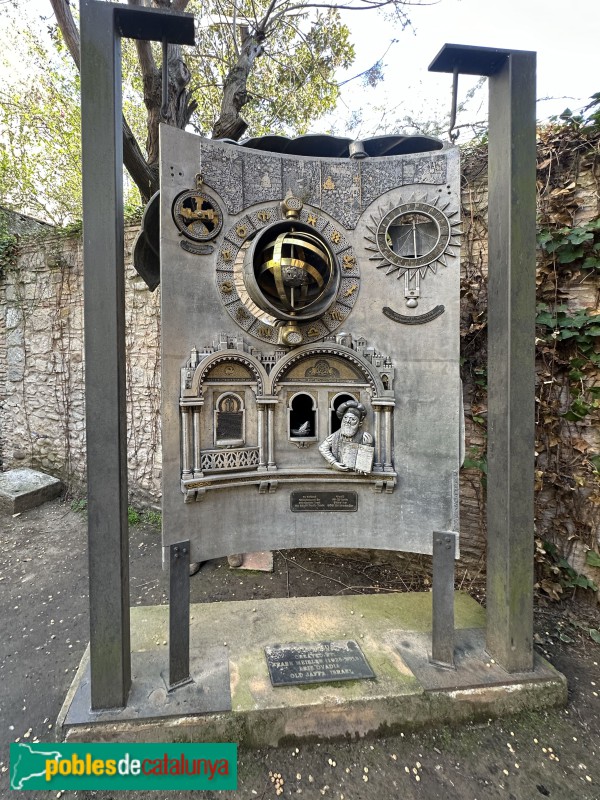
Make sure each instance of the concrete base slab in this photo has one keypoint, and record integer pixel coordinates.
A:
(390, 629)
(474, 667)
(150, 698)
(24, 488)
(261, 561)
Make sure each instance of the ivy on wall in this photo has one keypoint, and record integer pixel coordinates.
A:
(567, 485)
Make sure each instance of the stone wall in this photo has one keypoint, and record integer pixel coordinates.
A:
(42, 367)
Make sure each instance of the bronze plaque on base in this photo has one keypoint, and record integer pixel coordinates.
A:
(324, 501)
(316, 662)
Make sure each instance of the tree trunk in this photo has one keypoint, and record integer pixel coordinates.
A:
(180, 106)
(230, 124)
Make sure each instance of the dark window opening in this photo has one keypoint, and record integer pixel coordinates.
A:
(302, 415)
(230, 421)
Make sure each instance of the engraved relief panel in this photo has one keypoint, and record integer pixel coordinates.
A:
(229, 371)
(323, 370)
(340, 191)
(425, 169)
(379, 176)
(302, 178)
(262, 179)
(223, 170)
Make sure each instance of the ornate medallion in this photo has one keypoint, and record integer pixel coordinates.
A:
(197, 216)
(287, 281)
(412, 238)
(415, 235)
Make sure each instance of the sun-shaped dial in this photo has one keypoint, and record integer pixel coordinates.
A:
(411, 238)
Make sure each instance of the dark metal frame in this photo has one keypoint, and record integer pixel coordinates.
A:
(511, 335)
(445, 544)
(102, 27)
(179, 615)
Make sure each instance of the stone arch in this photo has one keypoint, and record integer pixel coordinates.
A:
(370, 374)
(234, 357)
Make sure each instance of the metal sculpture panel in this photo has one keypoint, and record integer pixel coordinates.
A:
(310, 313)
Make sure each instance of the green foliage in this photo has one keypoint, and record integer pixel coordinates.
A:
(151, 517)
(79, 504)
(592, 558)
(588, 119)
(476, 462)
(580, 329)
(292, 83)
(481, 377)
(477, 459)
(133, 516)
(143, 517)
(557, 573)
(39, 114)
(581, 243)
(8, 245)
(583, 326)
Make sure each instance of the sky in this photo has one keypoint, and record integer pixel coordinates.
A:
(564, 33)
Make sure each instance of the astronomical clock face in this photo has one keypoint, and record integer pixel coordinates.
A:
(413, 238)
(290, 280)
(197, 216)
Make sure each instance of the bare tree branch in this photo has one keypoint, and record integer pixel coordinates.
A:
(230, 124)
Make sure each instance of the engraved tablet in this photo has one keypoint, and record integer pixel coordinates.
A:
(324, 501)
(316, 662)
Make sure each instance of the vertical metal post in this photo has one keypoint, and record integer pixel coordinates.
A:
(442, 630)
(104, 308)
(102, 26)
(179, 614)
(511, 359)
(511, 336)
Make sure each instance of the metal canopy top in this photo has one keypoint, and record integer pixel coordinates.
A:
(144, 23)
(471, 60)
(319, 145)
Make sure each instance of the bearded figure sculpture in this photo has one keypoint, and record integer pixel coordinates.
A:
(349, 448)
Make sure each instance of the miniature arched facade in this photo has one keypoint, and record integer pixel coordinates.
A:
(242, 412)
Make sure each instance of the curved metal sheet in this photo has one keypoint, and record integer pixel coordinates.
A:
(146, 248)
(325, 146)
(146, 256)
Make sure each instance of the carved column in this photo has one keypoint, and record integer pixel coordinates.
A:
(270, 439)
(186, 470)
(377, 465)
(197, 442)
(261, 436)
(387, 463)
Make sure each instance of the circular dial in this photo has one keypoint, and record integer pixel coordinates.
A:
(290, 271)
(415, 235)
(197, 216)
(287, 281)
